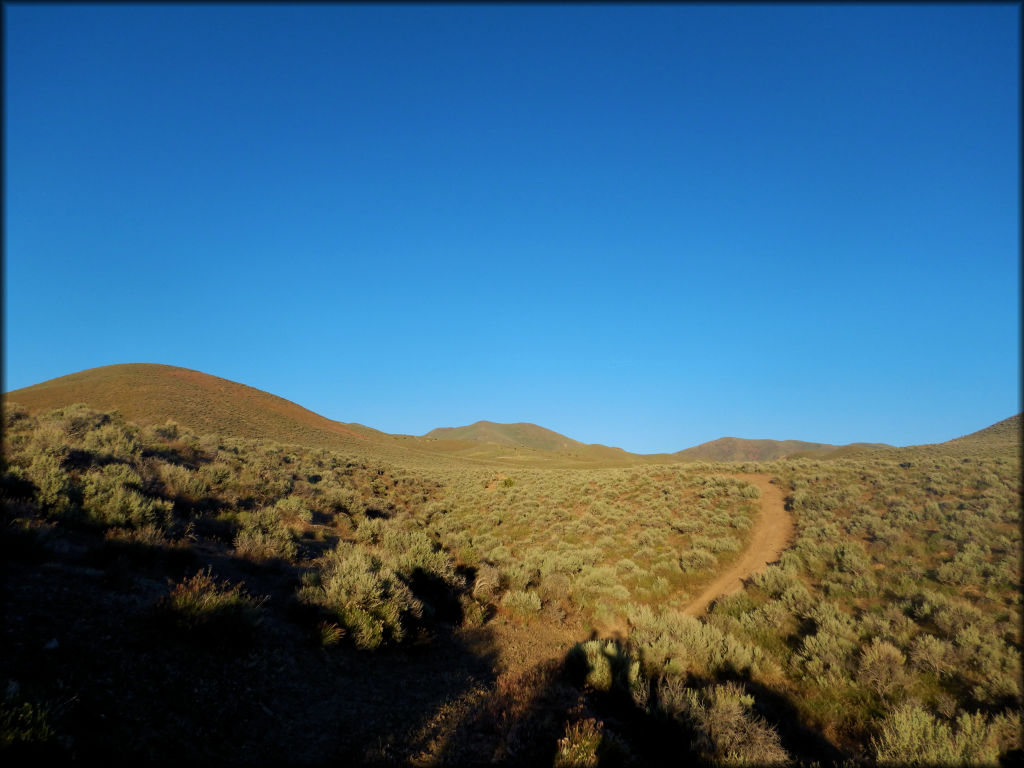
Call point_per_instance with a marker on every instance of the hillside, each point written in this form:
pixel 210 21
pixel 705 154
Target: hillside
pixel 151 394
pixel 230 601
pixel 520 434
pixel 525 440
pixel 1007 431
pixel 740 449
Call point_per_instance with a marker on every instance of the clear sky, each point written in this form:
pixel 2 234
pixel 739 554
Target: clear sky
pixel 644 226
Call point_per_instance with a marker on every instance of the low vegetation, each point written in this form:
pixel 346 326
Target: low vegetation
pixel 175 596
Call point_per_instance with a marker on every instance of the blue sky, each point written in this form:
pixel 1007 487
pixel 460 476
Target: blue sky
pixel 644 226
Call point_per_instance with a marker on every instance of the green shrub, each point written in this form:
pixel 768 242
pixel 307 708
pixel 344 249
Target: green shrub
pixel 368 599
pixel 199 605
pixel 881 667
pixel 932 654
pixel 54 484
pixel 183 482
pixel 696 560
pixel 727 730
pixel 109 498
pixel 264 536
pixel 113 442
pixel 329 633
pixel 912 736
pixel 603 665
pixel 521 604
pixel 412 551
pixel 578 748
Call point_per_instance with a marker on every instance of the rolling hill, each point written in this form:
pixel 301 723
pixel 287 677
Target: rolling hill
pixel 1005 432
pixel 525 439
pixel 520 434
pixel 148 394
pixel 740 449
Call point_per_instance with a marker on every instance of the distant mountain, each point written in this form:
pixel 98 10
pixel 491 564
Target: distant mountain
pixel 529 437
pixel 150 394
pixel 741 449
pixel 520 434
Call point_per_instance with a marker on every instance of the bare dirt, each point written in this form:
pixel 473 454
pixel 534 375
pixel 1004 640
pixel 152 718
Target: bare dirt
pixel 770 534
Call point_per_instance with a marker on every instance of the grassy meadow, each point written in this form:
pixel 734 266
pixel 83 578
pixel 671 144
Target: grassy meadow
pixel 180 594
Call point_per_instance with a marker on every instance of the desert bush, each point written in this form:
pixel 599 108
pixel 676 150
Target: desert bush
pixel 329 633
pixel 720 544
pixel 932 654
pixel 168 431
pixel 578 748
pixel 555 588
pixel 54 484
pixel 264 536
pixel 23 724
pixel 521 604
pixel 109 498
pixel 881 667
pixel 183 482
pixel 76 420
pixel 774 581
pixel 216 611
pixel 727 730
pixel 294 508
pixel 912 736
pixel 487 583
pixel 668 643
pixel 696 560
pixel 604 665
pixel 112 441
pixel 368 599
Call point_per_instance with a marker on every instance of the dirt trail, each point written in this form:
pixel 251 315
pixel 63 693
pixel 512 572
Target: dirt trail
pixel 769 535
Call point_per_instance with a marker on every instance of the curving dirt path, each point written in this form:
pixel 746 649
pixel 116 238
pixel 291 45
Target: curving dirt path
pixel 770 534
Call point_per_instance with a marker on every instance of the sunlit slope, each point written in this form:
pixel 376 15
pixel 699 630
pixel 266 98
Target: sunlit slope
pixel 147 394
pixel 523 442
pixel 740 449
pixel 520 434
pixel 1005 432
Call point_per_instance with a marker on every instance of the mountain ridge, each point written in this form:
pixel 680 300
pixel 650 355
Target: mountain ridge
pixel 153 393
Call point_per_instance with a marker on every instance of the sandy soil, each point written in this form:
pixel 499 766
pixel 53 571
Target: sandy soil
pixel 770 534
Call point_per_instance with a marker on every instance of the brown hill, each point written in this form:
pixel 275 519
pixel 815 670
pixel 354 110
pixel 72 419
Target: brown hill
pixel 149 394
pixel 1005 432
pixel 525 440
pixel 520 434
pixel 740 449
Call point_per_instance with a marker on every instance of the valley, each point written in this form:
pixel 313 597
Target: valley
pixel 199 571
